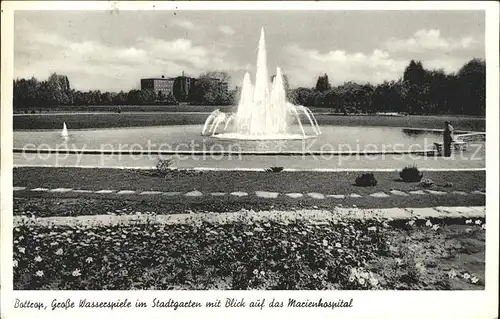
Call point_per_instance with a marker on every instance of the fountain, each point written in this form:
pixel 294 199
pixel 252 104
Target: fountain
pixel 263 112
pixel 64 132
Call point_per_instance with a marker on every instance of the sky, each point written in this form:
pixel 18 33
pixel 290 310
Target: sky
pixel 113 50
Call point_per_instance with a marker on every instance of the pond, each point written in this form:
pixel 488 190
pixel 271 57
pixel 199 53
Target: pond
pixel 188 138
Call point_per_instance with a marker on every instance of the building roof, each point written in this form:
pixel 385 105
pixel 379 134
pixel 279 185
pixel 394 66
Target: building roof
pixel 158 79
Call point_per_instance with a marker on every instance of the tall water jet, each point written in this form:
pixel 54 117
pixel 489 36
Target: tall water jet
pixel 64 132
pixel 245 105
pixel 263 111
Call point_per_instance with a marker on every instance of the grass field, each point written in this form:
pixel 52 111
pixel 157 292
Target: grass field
pixel 110 120
pixel 71 204
pixel 225 181
pixel 127 108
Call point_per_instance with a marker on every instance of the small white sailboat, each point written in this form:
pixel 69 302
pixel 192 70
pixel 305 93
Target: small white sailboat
pixel 64 132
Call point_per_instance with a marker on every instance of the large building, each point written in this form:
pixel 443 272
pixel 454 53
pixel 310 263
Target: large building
pixel 164 85
pixel 180 87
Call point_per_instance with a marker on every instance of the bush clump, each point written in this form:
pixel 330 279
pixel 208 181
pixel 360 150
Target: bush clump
pixel 275 169
pixel 366 179
pixel 411 174
pixel 163 167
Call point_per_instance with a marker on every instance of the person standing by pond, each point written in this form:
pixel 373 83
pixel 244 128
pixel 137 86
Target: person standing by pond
pixel 448 138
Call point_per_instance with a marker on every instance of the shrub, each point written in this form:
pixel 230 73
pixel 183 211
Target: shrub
pixel 275 169
pixel 427 183
pixel 413 268
pixel 411 174
pixel 448 184
pixel 163 166
pixel 366 179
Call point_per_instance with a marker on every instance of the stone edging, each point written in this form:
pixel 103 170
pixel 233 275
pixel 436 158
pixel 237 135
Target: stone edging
pixel 261 193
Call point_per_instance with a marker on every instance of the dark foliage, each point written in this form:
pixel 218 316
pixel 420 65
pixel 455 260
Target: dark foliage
pixel 419 91
pixel 367 179
pixel 411 174
pixel 275 169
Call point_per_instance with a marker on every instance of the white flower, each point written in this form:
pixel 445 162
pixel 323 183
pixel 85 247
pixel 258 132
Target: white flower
pixel 373 281
pixel 361 281
pixel 399 261
pixel 466 276
pixel 373 228
pixel 59 251
pixel 411 222
pixel 262 273
pixel 365 275
pixel 478 222
pixel 255 272
pixel 428 223
pixel 435 227
pixel 14 263
pixel 468 221
pixel 420 266
pixel 21 250
pixel 54 243
pixel 21 237
pixel 325 242
pixel 338 245
pixel 38 259
pixel 483 226
pixel 352 278
pixel 452 273
pixel 474 279
pixel 89 260
pixel 39 273
pixel 76 272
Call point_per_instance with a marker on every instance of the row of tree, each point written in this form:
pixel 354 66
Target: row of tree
pixel 208 89
pixel 211 89
pixel 56 90
pixel 419 91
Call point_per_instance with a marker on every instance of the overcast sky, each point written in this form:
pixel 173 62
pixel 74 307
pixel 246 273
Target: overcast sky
pixel 112 50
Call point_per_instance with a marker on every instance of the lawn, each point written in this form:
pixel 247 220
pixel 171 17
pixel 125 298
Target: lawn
pixel 230 181
pixel 346 255
pixel 109 120
pixel 126 108
pixel 338 183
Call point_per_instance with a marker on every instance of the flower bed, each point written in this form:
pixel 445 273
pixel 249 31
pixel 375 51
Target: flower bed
pixel 272 255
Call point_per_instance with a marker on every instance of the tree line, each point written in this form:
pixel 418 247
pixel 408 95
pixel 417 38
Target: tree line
pixel 418 91
pixel 56 90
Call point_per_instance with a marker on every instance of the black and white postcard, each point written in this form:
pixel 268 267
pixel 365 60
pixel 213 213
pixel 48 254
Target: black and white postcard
pixel 242 159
